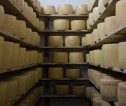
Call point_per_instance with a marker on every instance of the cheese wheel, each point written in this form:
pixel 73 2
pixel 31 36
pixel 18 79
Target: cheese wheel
pixel 97 101
pixel 7 59
pixel 1 16
pixel 16 55
pixel 95 95
pixel 110 24
pixel 101 7
pixel 10 24
pixel 109 84
pixel 120 14
pixel 101 30
pixel 89 39
pixel 95 14
pixel 61 89
pixel 60 57
pixel 121 55
pixel 89 91
pixel 78 25
pixel 72 73
pixel 38 6
pixel 87 58
pixel 28 36
pixel 81 9
pixel 88 24
pixel 105 104
pixel 72 41
pixel 78 90
pixel 41 26
pixel 110 55
pixel 95 35
pixel 55 41
pixel 49 9
pixel 55 73
pixel 1 51
pixel 65 9
pixel 3 92
pixel 98 57
pixel 122 93
pixel 25 11
pixel 83 40
pixel 76 57
pixel 91 19
pixel 21 26
pixel 20 4
pixel 91 54
pixel 61 24
pixel 40 57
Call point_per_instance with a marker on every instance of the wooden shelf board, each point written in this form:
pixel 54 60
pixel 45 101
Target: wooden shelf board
pixel 64 79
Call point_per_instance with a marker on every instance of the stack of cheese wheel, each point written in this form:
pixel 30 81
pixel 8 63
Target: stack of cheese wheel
pixel 97 101
pixel 78 90
pixel 109 84
pixel 61 24
pixel 55 73
pixel 101 6
pixel 98 57
pixel 61 89
pixel 91 57
pixel 90 4
pixel 101 30
pixel 41 26
pixel 83 40
pixel 60 57
pixel 72 41
pixel 110 55
pixel 91 19
pixel 106 104
pixel 95 35
pixel 81 9
pixel 87 58
pixel 122 93
pixel 55 41
pixel 95 14
pixel 121 55
pixel 72 73
pixel 49 9
pixel 1 51
pixel 9 20
pixel 65 9
pixel 7 58
pixel 78 25
pixel 1 16
pixel 20 4
pixel 110 24
pixel 120 14
pixel 76 57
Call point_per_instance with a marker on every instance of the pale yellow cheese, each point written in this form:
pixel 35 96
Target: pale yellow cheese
pixel 7 59
pixel 62 89
pixel 88 24
pixel 121 55
pixel 110 55
pixel 81 9
pixel 78 90
pixel 76 57
pixel 65 9
pixel 91 54
pixel 55 73
pixel 91 19
pixel 101 7
pixel 25 11
pixel 97 101
pixel 122 93
pixel 95 95
pixel 41 26
pixel 87 58
pixel 38 6
pixel 50 9
pixel 55 41
pixel 60 57
pixel 83 40
pixel 26 58
pixel 72 73
pixel 95 35
pixel 28 36
pixel 90 4
pixel 89 39
pixel 1 51
pixel 101 30
pixel 78 25
pixel 109 84
pixel 72 41
pixel 95 14
pixel 1 16
pixel 89 91
pixel 61 24
pixel 20 5
pixel 10 24
pixel 40 57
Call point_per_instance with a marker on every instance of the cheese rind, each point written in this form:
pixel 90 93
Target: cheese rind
pixel 81 9
pixel 1 16
pixel 50 9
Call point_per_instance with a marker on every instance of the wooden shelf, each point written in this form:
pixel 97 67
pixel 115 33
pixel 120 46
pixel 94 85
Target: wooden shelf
pixel 10 8
pixel 94 5
pixel 109 11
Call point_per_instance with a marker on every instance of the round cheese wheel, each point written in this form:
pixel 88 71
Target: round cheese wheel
pixel 7 59
pixel 101 7
pixel 20 4
pixel 105 104
pixel 72 73
pixel 109 84
pixel 98 57
pixel 81 9
pixel 10 24
pixel 110 55
pixel 41 26
pixel 87 58
pixel 95 14
pixel 78 90
pixel 1 51
pixel 78 25
pixel 55 41
pixel 49 9
pixel 101 30
pixel 88 24
pixel 60 57
pixel 121 55
pixel 61 24
pixel 97 101
pixel 72 41
pixel 25 11
pixel 91 54
pixel 89 39
pixel 83 40
pixel 95 35
pixel 122 93
pixel 95 95
pixel 28 36
pixel 76 57
pixel 55 73
pixel 61 89
pixel 65 9
pixel 91 19
pixel 1 16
